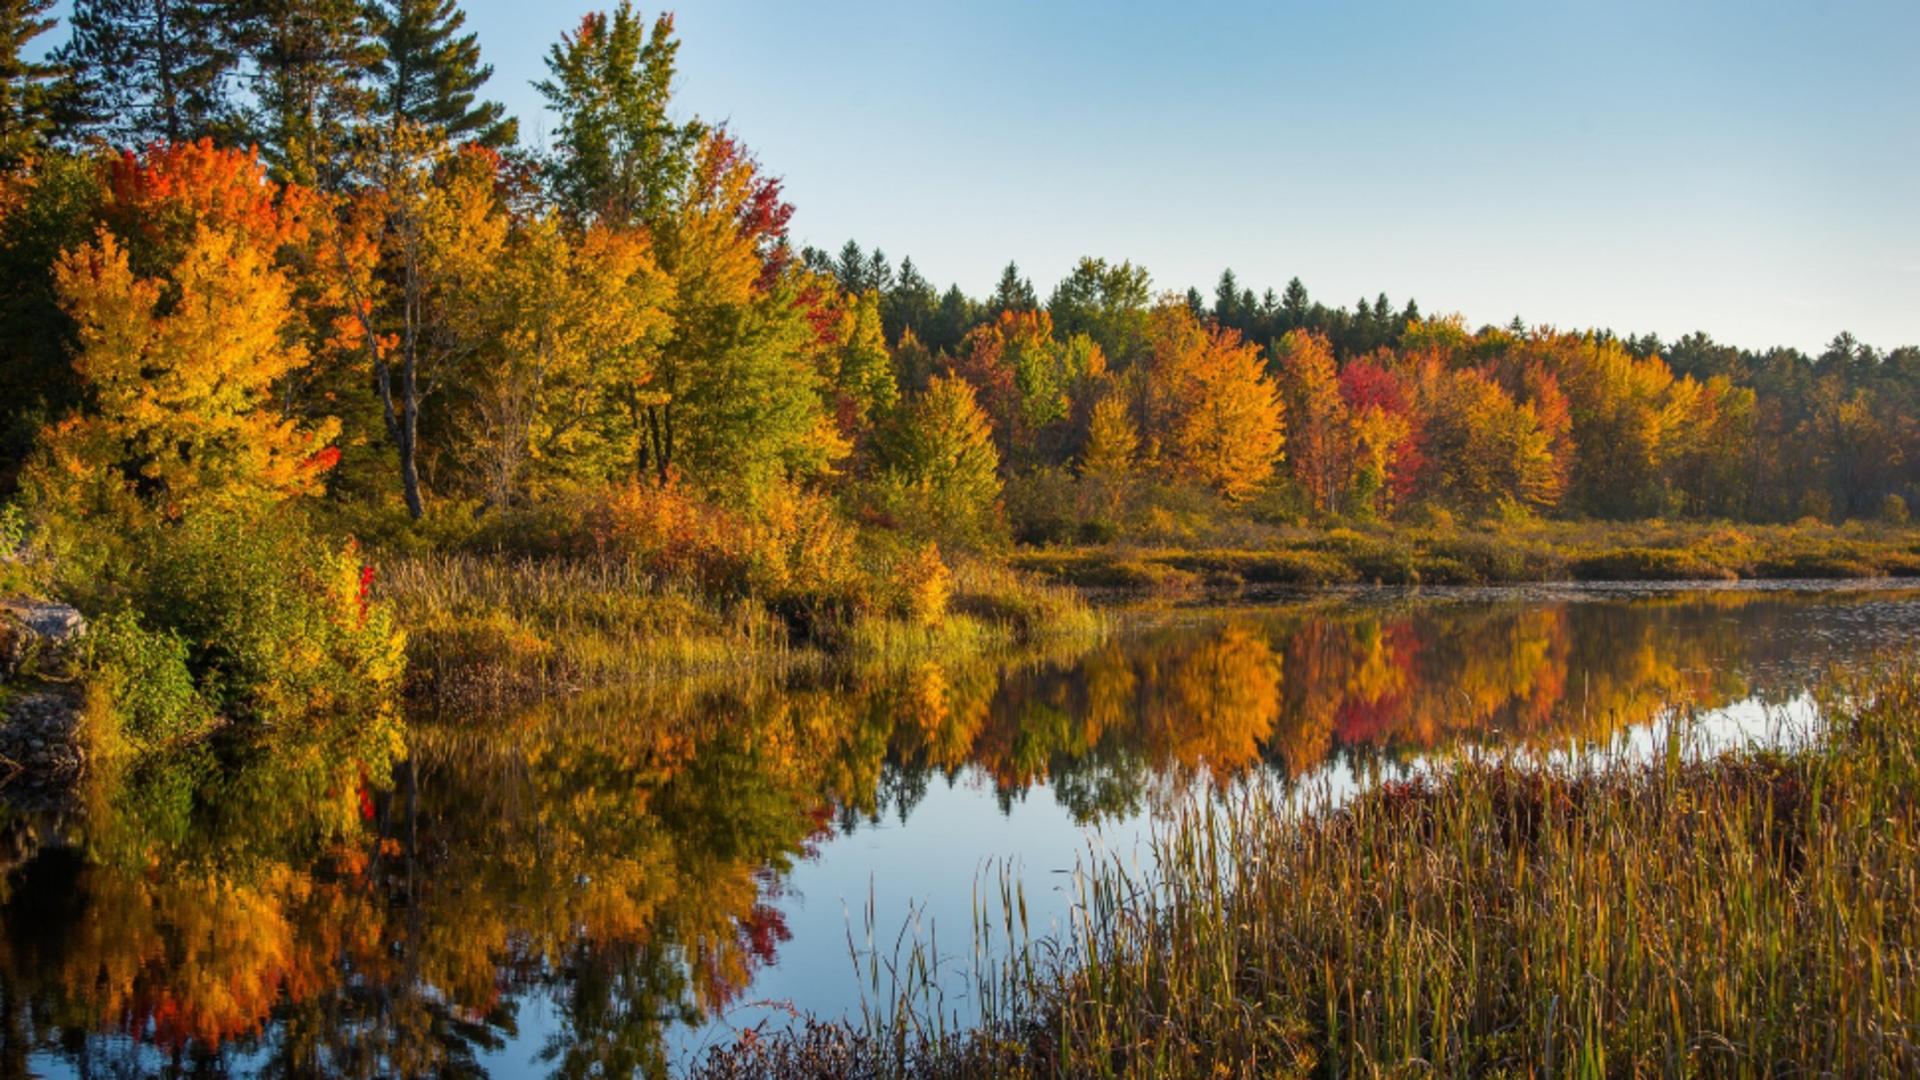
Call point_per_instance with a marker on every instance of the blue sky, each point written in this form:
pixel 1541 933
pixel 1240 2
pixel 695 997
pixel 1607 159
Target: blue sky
pixel 1750 169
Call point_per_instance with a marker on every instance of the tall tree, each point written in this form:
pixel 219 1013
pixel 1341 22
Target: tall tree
pixel 430 75
pixel 1319 428
pixel 1216 414
pixel 26 86
pixel 1012 293
pixel 151 70
pixel 311 60
pixel 619 158
pixel 942 473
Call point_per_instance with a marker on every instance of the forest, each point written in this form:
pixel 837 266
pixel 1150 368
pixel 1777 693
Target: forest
pixel 310 365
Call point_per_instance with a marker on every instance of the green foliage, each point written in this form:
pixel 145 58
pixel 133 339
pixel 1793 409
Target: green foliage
pixel 431 74
pixel 621 160
pixel 279 626
pixel 146 677
pixel 940 474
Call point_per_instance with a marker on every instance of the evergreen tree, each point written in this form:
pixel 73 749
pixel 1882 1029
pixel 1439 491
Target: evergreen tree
pixel 26 87
pixel 851 268
pixel 1013 293
pixel 909 305
pixel 150 70
pixel 311 59
pixel 1295 306
pixel 951 322
pixel 618 157
pixel 431 74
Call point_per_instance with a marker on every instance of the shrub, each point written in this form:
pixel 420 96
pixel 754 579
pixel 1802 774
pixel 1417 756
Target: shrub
pixel 925 585
pixel 1893 510
pixel 145 675
pixel 276 624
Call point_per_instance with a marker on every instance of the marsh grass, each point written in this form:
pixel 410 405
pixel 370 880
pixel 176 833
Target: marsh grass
pixel 1489 554
pixel 1751 913
pixel 482 626
pixel 489 628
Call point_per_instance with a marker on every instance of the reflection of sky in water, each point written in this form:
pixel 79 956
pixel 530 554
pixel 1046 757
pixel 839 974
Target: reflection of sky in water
pixel 924 876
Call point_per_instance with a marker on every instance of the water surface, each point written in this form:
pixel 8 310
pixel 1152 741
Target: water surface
pixel 613 882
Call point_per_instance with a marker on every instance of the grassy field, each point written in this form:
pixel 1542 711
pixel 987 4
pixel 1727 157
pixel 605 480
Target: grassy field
pixel 1747 914
pixel 1492 554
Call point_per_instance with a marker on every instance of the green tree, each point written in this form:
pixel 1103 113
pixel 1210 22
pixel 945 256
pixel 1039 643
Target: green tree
pixel 430 75
pixel 26 86
pixel 1107 302
pixel 618 158
pixel 311 60
pixel 864 378
pixel 942 474
pixel 910 304
pixel 1012 293
pixel 150 70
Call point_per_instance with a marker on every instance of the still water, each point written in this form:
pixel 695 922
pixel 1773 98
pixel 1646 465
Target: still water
pixel 614 882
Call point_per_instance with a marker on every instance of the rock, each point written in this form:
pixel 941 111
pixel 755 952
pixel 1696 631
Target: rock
pixel 41 633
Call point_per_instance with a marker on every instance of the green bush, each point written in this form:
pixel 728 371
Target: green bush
pixel 276 624
pixel 146 676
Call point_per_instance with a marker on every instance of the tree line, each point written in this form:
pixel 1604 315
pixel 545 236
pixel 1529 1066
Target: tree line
pixel 259 250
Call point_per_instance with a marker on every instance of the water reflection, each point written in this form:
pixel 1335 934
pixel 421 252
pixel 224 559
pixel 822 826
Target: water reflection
pixel 560 890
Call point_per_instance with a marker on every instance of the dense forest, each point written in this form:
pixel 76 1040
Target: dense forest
pixel 282 285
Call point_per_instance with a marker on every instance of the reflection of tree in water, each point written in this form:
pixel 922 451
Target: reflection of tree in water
pixel 624 855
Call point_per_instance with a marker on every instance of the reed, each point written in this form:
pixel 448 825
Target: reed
pixel 1746 913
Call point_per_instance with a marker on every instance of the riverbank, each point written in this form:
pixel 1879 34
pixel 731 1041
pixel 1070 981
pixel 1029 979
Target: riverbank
pixel 1539 551
pixel 1728 915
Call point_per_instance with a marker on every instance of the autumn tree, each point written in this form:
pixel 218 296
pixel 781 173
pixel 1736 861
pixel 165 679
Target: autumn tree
pixel 1386 441
pixel 1319 426
pixel 1212 408
pixel 572 328
pixel 941 473
pixel 738 399
pixel 864 384
pixel 430 74
pixel 618 158
pixel 180 367
pixel 1113 441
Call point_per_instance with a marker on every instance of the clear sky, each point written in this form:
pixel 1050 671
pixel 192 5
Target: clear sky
pixel 1751 169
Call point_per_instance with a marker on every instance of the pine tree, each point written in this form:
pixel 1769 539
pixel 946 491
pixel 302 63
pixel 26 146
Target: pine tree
pixel 145 71
pixel 618 157
pixel 431 74
pixel 26 87
pixel 1294 306
pixel 1013 293
pixel 909 305
pixel 312 58
pixel 851 268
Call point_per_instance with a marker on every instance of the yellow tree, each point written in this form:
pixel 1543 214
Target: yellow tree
pixel 572 326
pixel 1211 406
pixel 1319 429
pixel 180 370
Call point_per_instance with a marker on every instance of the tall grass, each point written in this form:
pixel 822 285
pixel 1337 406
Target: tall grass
pixel 1489 553
pixel 1755 913
pixel 490 627
pixel 482 626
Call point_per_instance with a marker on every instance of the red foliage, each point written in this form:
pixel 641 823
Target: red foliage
pixel 164 192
